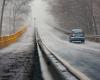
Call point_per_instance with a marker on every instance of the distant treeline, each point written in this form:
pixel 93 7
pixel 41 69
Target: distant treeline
pixel 71 14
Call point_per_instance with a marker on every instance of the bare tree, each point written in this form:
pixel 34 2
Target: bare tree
pixel 17 8
pixel 2 16
pixel 95 26
pixel 93 19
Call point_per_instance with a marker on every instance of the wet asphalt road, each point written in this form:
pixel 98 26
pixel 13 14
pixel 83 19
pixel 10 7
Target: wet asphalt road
pixel 84 57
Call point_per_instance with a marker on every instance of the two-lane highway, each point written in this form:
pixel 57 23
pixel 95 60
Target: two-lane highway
pixel 84 57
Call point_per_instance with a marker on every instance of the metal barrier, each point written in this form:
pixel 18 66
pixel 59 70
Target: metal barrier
pixel 9 39
pixel 95 38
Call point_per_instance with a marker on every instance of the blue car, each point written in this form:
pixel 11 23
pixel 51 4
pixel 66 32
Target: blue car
pixel 77 35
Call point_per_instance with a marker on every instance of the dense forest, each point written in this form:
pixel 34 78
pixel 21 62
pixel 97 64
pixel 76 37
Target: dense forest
pixel 68 14
pixel 13 14
pixel 71 14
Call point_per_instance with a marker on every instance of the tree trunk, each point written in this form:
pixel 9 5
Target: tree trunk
pixel 1 21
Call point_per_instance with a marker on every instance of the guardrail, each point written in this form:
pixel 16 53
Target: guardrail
pixel 95 38
pixel 62 70
pixel 9 39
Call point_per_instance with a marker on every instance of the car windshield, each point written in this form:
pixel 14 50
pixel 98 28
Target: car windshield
pixel 77 31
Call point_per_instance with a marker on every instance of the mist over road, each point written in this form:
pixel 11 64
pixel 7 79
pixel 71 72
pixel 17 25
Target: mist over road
pixel 43 15
pixel 84 57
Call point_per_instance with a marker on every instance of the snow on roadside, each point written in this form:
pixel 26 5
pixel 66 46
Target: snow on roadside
pixel 16 60
pixel 24 43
